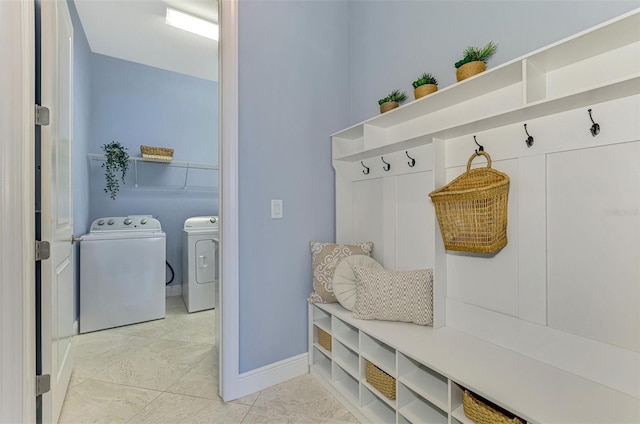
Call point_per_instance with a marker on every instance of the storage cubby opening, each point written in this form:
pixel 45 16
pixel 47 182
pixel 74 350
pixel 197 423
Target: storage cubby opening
pixel 345 383
pixel 345 333
pixel 416 409
pixel 346 358
pixel 424 381
pixel 375 408
pixel 322 347
pixel 322 319
pixel 382 355
pixel 321 363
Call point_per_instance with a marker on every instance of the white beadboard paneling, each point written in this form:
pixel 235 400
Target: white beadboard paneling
pixel 489 281
pixel 367 215
pixel 603 363
pixel 593 244
pixel 532 257
pixel 414 233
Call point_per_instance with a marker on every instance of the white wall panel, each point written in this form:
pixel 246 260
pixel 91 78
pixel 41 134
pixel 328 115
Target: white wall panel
pixel 414 234
pixel 593 243
pixel 367 215
pixel 489 281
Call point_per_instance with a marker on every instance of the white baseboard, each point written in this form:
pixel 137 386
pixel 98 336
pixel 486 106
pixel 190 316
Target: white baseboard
pixel 272 374
pixel 174 290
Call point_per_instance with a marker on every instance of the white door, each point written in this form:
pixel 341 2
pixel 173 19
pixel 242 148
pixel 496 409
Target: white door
pixel 57 218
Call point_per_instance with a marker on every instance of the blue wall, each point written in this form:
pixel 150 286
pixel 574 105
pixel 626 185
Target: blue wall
pixel 140 105
pixel 394 42
pixel 294 92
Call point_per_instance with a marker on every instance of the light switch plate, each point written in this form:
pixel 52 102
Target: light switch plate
pixel 276 209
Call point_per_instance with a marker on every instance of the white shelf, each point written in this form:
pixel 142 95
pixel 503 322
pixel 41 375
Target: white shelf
pixel 346 358
pixel 323 323
pixel 459 415
pixel 345 383
pixel 419 412
pixel 375 408
pixel 345 333
pixel 322 350
pixel 380 354
pixel 174 163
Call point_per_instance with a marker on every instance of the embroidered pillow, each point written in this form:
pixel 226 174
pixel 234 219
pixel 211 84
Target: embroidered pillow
pixel 344 279
pixel 394 295
pixel 325 259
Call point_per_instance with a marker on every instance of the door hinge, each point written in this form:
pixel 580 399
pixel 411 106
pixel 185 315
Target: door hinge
pixel 42 115
pixel 43 384
pixel 42 250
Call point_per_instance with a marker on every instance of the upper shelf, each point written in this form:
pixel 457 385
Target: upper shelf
pixel 177 163
pixel 596 65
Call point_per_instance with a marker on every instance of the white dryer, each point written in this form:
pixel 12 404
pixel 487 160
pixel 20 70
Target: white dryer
pixel 200 263
pixel 122 272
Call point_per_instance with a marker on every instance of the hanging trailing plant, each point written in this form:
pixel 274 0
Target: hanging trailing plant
pixel 117 161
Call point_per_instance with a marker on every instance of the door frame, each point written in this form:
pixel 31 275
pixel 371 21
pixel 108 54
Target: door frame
pixel 229 347
pixel 17 226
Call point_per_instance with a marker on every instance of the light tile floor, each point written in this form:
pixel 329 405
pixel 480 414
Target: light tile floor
pixel 166 371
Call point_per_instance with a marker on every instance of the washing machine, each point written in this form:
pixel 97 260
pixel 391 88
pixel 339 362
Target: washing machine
pixel 122 272
pixel 200 263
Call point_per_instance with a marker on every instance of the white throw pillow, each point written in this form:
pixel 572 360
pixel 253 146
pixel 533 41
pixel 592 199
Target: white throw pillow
pixel 394 295
pixel 345 282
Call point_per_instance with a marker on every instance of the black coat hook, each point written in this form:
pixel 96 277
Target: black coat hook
pixel 481 148
pixel 387 165
pixel 412 162
pixel 365 171
pixel 529 139
pixel 595 128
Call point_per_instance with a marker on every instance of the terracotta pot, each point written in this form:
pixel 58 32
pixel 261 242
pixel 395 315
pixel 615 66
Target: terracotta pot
pixel 425 89
pixel 387 106
pixel 470 69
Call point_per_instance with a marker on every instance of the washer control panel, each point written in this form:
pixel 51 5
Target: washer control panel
pixel 126 223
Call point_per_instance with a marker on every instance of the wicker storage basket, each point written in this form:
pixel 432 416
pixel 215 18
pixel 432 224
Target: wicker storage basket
pixel 470 69
pixel 381 381
pixel 483 413
pixel 156 154
pixel 472 209
pixel 324 339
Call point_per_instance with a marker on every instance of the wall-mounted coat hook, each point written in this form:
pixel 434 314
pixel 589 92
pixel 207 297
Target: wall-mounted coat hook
pixel 529 140
pixel 387 165
pixel 412 162
pixel 365 171
pixel 481 148
pixel 595 128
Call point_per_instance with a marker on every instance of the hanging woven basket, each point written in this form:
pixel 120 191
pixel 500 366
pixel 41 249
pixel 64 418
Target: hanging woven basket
pixel 472 209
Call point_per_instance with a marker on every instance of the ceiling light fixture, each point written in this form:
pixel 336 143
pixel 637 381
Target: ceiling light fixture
pixel 192 23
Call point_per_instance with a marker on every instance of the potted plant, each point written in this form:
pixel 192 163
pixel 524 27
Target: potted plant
pixel 116 161
pixel 474 60
pixel 424 85
pixel 392 101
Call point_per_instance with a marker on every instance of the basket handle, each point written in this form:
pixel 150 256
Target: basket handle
pixel 475 155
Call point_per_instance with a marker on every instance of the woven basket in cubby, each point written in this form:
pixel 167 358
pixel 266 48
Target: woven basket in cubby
pixel 324 339
pixel 482 413
pixel 381 381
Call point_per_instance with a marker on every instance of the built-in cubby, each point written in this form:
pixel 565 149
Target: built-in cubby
pixel 548 314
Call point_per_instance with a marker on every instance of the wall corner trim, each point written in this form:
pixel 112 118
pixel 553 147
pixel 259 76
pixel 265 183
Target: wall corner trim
pixel 272 374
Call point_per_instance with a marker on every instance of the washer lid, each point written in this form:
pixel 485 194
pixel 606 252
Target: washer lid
pixel 199 223
pixel 140 223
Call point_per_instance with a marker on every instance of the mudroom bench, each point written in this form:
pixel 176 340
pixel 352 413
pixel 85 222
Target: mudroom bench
pixel 432 367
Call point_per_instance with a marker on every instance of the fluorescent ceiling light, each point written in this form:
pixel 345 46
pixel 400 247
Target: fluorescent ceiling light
pixel 192 23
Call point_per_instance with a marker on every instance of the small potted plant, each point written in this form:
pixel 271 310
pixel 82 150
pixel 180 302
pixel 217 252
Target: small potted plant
pixel 474 60
pixel 392 101
pixel 424 85
pixel 116 161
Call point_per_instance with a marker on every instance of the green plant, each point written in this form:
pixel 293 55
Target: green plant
pixel 394 96
pixel 117 161
pixel 425 79
pixel 473 54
